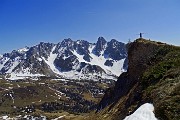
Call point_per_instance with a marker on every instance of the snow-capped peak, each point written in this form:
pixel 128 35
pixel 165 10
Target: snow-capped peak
pixel 22 50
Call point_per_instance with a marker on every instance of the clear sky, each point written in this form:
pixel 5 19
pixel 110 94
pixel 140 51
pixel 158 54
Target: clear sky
pixel 28 22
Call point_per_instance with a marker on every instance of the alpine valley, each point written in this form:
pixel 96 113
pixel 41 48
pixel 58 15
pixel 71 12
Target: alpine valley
pixel 67 79
pixel 78 80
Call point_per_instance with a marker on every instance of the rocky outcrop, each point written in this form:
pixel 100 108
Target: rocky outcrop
pixel 100 46
pixel 113 48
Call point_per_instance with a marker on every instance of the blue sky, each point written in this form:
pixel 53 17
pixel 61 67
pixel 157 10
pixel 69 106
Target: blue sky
pixel 28 22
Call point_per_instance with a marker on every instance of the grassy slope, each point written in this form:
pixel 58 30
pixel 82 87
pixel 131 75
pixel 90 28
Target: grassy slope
pixel 161 83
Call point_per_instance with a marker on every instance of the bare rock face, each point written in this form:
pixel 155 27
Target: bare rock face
pixel 115 50
pixel 100 46
pixel 139 56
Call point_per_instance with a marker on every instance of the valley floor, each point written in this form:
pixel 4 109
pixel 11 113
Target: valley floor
pixel 50 98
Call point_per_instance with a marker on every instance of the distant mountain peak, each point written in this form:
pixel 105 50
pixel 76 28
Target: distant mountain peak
pixel 101 38
pixel 67 40
pixel 22 50
pixel 101 41
pixel 113 40
pixel 100 46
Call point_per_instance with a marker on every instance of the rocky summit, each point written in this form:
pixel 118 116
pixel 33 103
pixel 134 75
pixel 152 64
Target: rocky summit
pixel 67 59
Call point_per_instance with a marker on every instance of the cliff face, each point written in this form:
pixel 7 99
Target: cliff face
pixel 153 76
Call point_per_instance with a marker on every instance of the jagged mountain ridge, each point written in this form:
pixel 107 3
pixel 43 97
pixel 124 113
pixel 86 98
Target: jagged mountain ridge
pixel 67 59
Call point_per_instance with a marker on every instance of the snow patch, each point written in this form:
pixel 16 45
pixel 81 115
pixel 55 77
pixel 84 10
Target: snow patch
pixel 80 57
pixel 11 95
pixel 5 117
pixel 20 76
pixel 22 50
pixel 14 63
pixel 59 117
pixel 117 67
pixel 40 59
pixel 144 112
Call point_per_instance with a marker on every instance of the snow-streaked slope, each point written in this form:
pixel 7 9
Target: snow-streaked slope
pixel 14 63
pixel 116 69
pixel 73 74
pixel 144 112
pixel 50 61
pixel 3 61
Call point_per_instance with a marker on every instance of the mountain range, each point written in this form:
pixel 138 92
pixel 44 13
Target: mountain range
pixel 147 90
pixel 67 59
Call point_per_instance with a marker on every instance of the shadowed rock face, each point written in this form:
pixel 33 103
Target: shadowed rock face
pixel 65 65
pixel 115 50
pixel 100 46
pixel 145 81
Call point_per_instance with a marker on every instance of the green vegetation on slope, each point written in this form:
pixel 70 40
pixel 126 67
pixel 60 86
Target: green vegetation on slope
pixel 51 98
pixel 161 84
pixel 153 76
